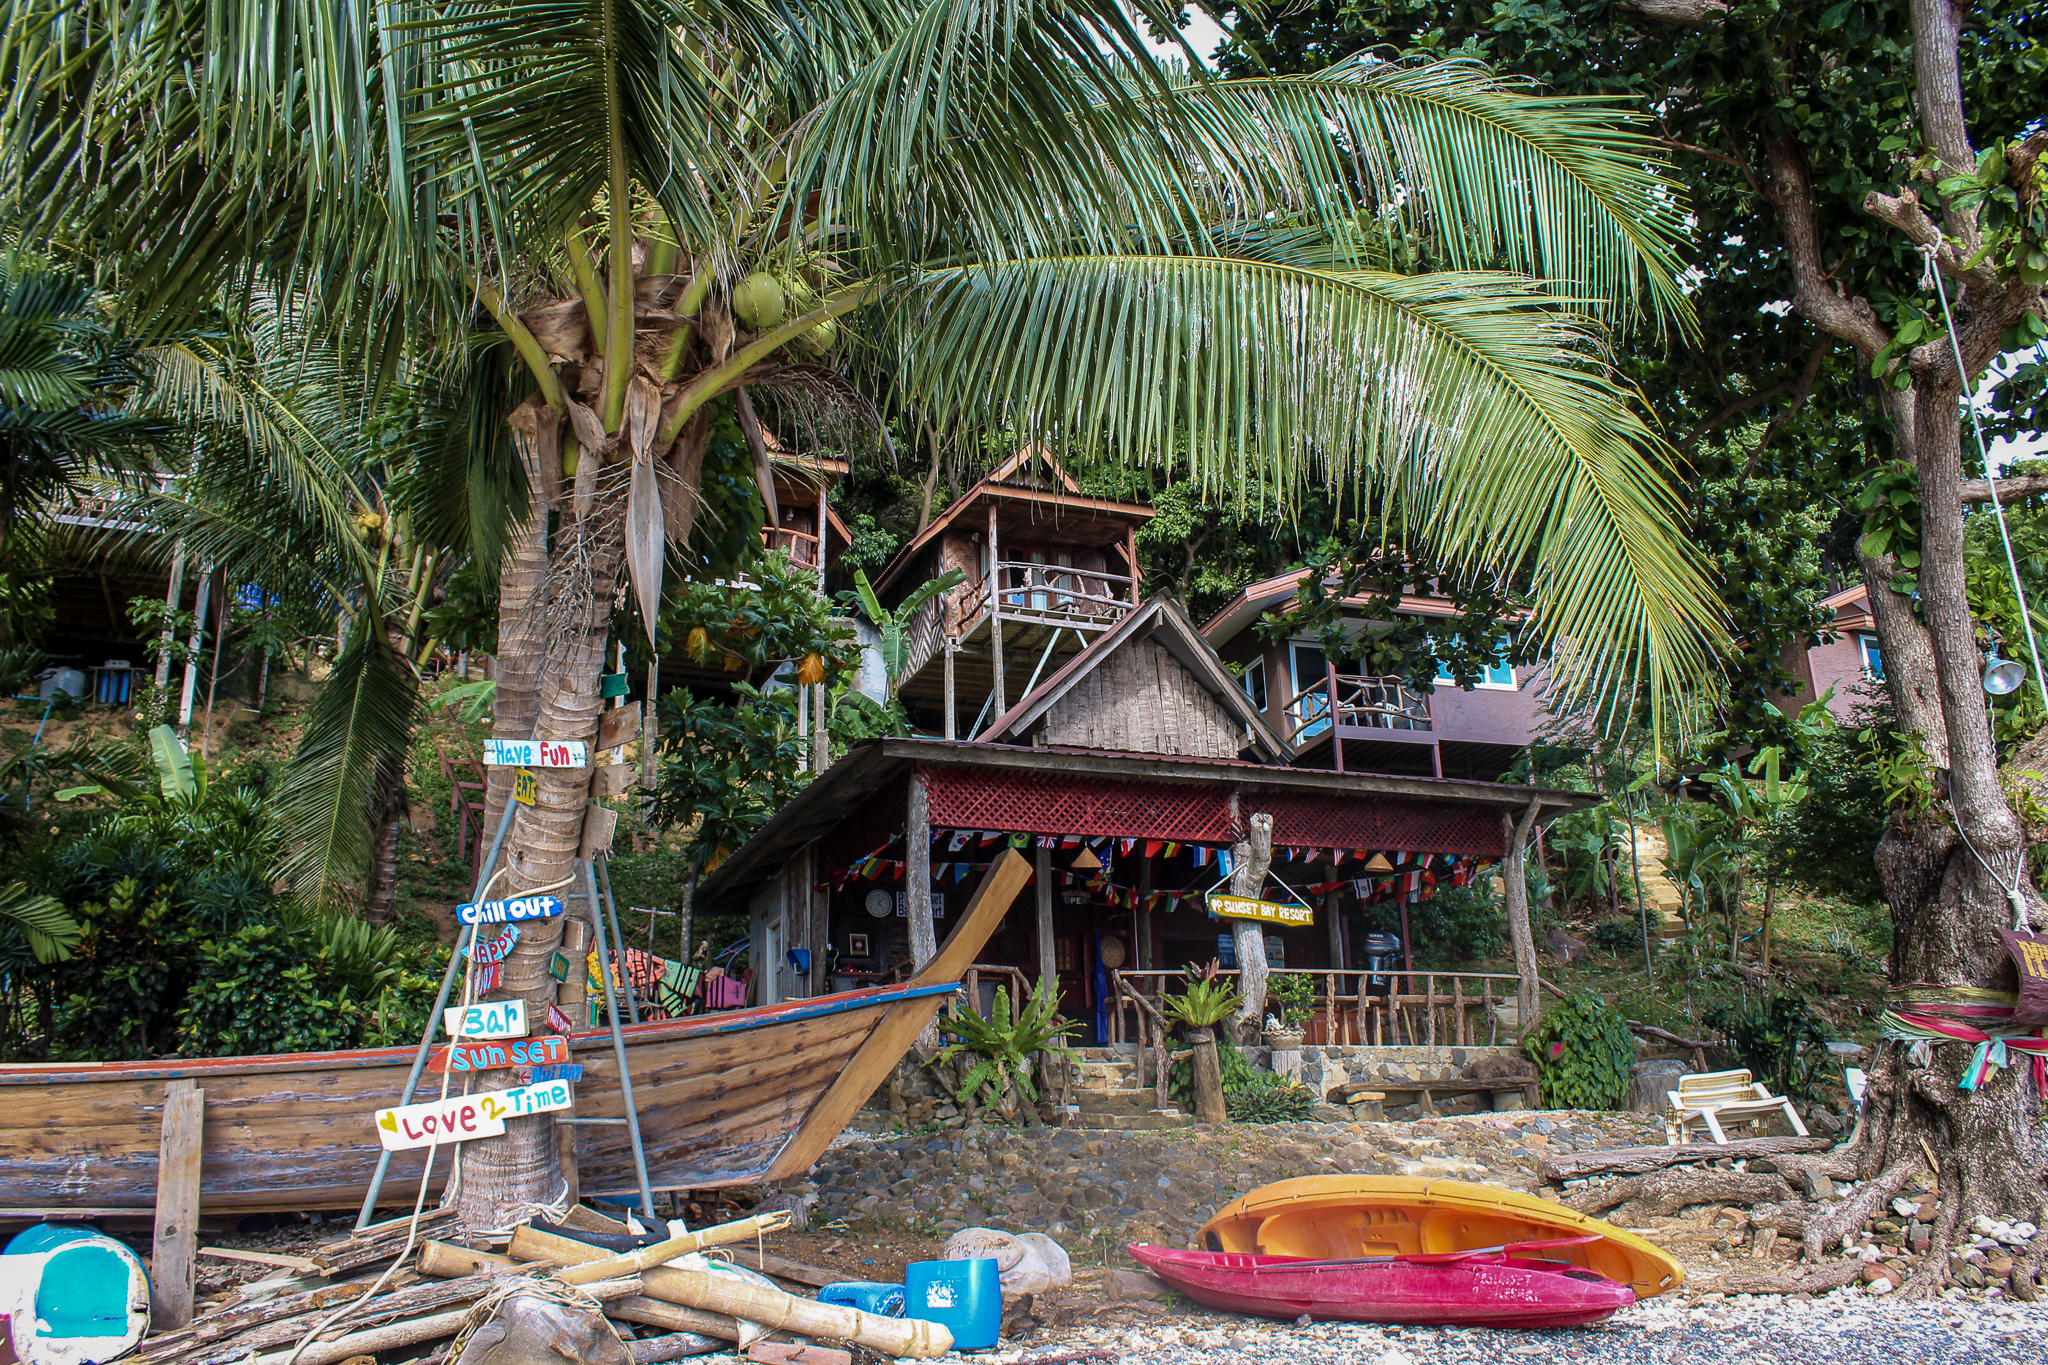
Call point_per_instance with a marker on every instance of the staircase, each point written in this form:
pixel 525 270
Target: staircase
pixel 1107 1094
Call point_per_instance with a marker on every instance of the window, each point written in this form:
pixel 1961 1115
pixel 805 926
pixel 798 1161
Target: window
pixel 1253 681
pixel 1873 658
pixel 1497 675
pixel 1311 713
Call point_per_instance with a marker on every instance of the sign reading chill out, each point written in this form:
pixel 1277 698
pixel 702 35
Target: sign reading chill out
pixel 508 912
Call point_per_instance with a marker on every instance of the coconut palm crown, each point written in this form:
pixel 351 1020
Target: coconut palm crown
pixel 1395 279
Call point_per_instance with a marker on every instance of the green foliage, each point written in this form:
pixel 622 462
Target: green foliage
pixel 1267 1098
pixel 1206 1000
pixel 472 700
pixel 1460 924
pixel 1617 936
pixel 1827 842
pixel 755 631
pixel 1293 998
pixel 1004 1052
pixel 1779 1039
pixel 1583 1051
pixel 891 622
pixel 257 991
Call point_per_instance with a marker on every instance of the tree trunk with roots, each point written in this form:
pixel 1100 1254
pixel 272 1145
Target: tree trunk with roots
pixel 380 906
pixel 1249 861
pixel 1954 872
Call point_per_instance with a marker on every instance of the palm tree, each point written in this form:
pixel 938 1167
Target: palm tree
pixel 1392 278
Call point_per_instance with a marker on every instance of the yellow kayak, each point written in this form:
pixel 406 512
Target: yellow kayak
pixel 1330 1217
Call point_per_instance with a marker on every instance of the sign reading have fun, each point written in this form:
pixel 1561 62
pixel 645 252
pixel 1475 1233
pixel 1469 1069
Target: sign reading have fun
pixel 536 753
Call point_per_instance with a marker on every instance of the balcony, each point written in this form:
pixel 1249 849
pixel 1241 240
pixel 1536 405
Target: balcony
pixel 1040 615
pixel 1378 719
pixel 801 545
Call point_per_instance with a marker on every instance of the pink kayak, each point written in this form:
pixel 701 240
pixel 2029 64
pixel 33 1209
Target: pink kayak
pixel 1508 1286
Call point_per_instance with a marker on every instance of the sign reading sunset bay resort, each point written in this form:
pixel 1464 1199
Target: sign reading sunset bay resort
pixel 1270 912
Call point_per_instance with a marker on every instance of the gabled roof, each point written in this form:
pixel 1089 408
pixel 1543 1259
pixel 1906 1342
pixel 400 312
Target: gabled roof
pixel 1849 603
pixel 1162 620
pixel 1003 483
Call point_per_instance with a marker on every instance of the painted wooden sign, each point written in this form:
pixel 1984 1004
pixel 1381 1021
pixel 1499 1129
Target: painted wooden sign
pixel 491 1019
pixel 1268 912
pixel 457 1118
pixel 536 753
pixel 557 1071
pixel 538 1098
pixel 618 726
pixel 493 949
pixel 558 1018
pixel 2030 956
pixel 546 1049
pixel 506 912
pixel 487 978
pixel 613 779
pixel 525 786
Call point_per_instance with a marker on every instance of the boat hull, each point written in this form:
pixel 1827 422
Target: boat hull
pixel 1480 1290
pixel 1330 1217
pixel 721 1097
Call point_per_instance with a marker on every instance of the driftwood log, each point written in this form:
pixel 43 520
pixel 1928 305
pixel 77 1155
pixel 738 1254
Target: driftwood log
pixel 406 1303
pixel 1796 1280
pixel 412 1331
pixel 443 1258
pixel 1639 1160
pixel 226 1322
pixel 377 1242
pixel 654 1350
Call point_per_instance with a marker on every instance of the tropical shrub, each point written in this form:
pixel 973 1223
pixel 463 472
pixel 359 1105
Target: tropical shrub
pixel 1617 936
pixel 1459 924
pixel 1263 1097
pixel 1206 1001
pixel 1779 1039
pixel 1005 1052
pixel 1292 998
pixel 1583 1051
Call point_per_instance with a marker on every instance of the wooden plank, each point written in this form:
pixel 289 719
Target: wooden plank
pixel 618 726
pixel 177 1205
pixel 599 825
pixel 782 1268
pixel 613 779
pixel 298 1263
pixel 892 1036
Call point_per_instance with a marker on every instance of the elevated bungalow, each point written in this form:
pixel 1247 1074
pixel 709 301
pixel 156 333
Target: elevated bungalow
pixel 1128 773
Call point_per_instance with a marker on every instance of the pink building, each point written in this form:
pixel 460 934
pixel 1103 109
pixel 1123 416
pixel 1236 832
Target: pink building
pixel 1850 662
pixel 1382 725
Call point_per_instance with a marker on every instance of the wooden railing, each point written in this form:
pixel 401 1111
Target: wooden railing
pixel 1020 988
pixel 1054 592
pixel 1151 1040
pixel 1373 1009
pixel 1362 702
pixel 802 545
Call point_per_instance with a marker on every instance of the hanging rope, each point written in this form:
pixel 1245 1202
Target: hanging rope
pixel 1930 272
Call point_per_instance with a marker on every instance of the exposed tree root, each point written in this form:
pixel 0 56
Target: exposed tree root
pixel 1827 1231
pixel 1932 1273
pixel 1814 1280
pixel 2026 1268
pixel 1666 1192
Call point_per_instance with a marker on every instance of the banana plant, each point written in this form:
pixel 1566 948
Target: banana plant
pixel 895 648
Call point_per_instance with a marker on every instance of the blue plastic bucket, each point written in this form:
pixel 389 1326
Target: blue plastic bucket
pixel 964 1297
pixel 90 1296
pixel 869 1296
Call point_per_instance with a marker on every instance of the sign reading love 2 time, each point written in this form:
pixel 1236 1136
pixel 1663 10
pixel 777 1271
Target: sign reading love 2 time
pixel 492 1019
pixel 460 1118
pixel 536 753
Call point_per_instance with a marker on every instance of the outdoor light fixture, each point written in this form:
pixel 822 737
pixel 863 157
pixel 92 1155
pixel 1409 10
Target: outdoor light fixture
pixel 2002 676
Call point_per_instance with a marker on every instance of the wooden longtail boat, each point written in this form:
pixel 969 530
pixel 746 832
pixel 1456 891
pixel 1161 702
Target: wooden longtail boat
pixel 733 1098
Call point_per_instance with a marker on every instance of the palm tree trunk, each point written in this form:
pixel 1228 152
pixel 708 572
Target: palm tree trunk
pixel 521 587
pixel 560 626
pixel 381 905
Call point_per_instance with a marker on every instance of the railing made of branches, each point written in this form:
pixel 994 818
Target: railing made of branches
pixel 1361 1008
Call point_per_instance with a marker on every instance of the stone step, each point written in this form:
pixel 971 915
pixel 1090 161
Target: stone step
pixel 1114 1102
pixel 1131 1123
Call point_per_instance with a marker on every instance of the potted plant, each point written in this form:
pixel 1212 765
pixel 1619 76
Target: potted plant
pixel 1292 999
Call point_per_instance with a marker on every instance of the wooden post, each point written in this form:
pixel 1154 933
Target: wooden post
pixel 1336 739
pixel 821 737
pixel 1145 931
pixel 995 609
pixel 917 887
pixel 1429 1007
pixel 1516 897
pixel 1131 554
pixel 177 1205
pixel 1048 962
pixel 1208 1077
pixel 1464 1030
pixel 952 720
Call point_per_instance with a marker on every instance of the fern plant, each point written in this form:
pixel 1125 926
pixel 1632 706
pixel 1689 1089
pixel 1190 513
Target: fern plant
pixel 1004 1050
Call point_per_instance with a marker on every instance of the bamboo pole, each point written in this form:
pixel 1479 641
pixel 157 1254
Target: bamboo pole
pixel 633 1262
pixel 653 1312
pixel 778 1311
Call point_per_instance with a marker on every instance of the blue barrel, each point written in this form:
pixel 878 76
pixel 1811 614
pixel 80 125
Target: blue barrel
pixel 869 1296
pixel 965 1297
pixel 92 1295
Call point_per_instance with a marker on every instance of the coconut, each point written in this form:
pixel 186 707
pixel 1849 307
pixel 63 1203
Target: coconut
pixel 758 301
pixel 822 337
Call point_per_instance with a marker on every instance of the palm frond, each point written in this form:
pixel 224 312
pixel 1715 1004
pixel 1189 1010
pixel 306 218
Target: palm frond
pixel 1475 411
pixel 358 729
pixel 42 920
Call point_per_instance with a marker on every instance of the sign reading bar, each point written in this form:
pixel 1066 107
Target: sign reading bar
pixel 1269 912
pixel 492 1019
pixel 454 1119
pixel 536 753
pixel 2030 956
pixel 507 912
pixel 547 1049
